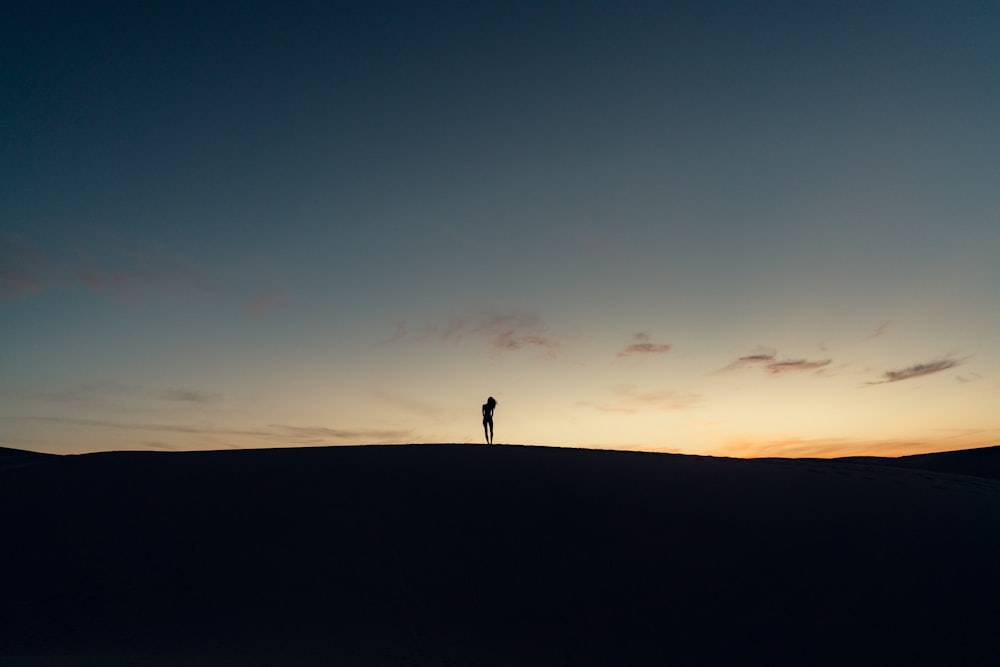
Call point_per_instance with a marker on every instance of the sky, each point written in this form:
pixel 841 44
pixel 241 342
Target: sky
pixel 725 228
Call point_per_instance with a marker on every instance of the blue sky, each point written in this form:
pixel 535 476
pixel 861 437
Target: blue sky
pixel 699 227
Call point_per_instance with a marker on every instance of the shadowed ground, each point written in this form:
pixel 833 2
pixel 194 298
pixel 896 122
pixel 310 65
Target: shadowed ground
pixel 470 555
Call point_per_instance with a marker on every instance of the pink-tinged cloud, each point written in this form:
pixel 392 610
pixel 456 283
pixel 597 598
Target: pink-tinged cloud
pixel 643 346
pixel 14 283
pixel 794 366
pixel 124 273
pixel 21 267
pixel 916 371
pixel 264 303
pixel 13 248
pixel 136 284
pixel 515 330
pixel 123 287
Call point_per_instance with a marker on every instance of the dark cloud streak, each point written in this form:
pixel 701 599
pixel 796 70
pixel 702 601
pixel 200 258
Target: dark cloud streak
pixel 916 371
pixel 768 362
pixel 750 360
pixel 794 365
pixel 642 345
pixel 755 358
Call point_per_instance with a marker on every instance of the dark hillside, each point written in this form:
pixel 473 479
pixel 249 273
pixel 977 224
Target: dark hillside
pixel 473 555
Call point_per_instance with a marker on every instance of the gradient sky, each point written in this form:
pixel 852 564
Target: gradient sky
pixel 718 228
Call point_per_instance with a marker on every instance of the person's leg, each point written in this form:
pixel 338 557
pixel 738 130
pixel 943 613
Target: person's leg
pixel 491 431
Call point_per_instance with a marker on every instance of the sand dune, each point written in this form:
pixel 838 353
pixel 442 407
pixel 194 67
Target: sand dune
pixel 506 555
pixel 977 462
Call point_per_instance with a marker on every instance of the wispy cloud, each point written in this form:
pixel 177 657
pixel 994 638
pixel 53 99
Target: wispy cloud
pixel 147 426
pixel 642 345
pixel 122 284
pixel 13 248
pixel 414 407
pixel 320 435
pixel 504 331
pixel 453 329
pixel 600 244
pixel 189 396
pixel 129 275
pixel 917 370
pixel 124 272
pixel 971 377
pixel 512 339
pixel 770 364
pixel 794 365
pixel 108 393
pixel 274 434
pixel 878 331
pixel 21 267
pixel 264 303
pixel 14 283
pixel 628 400
pixel 399 335
pixel 514 330
pixel 87 393
pixel 750 360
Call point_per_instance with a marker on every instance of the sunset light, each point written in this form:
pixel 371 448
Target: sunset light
pixel 668 230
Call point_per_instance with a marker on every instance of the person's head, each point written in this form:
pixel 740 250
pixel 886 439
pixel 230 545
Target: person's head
pixel 492 402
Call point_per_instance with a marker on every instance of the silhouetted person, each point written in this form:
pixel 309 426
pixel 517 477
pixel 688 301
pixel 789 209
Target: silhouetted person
pixel 488 419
